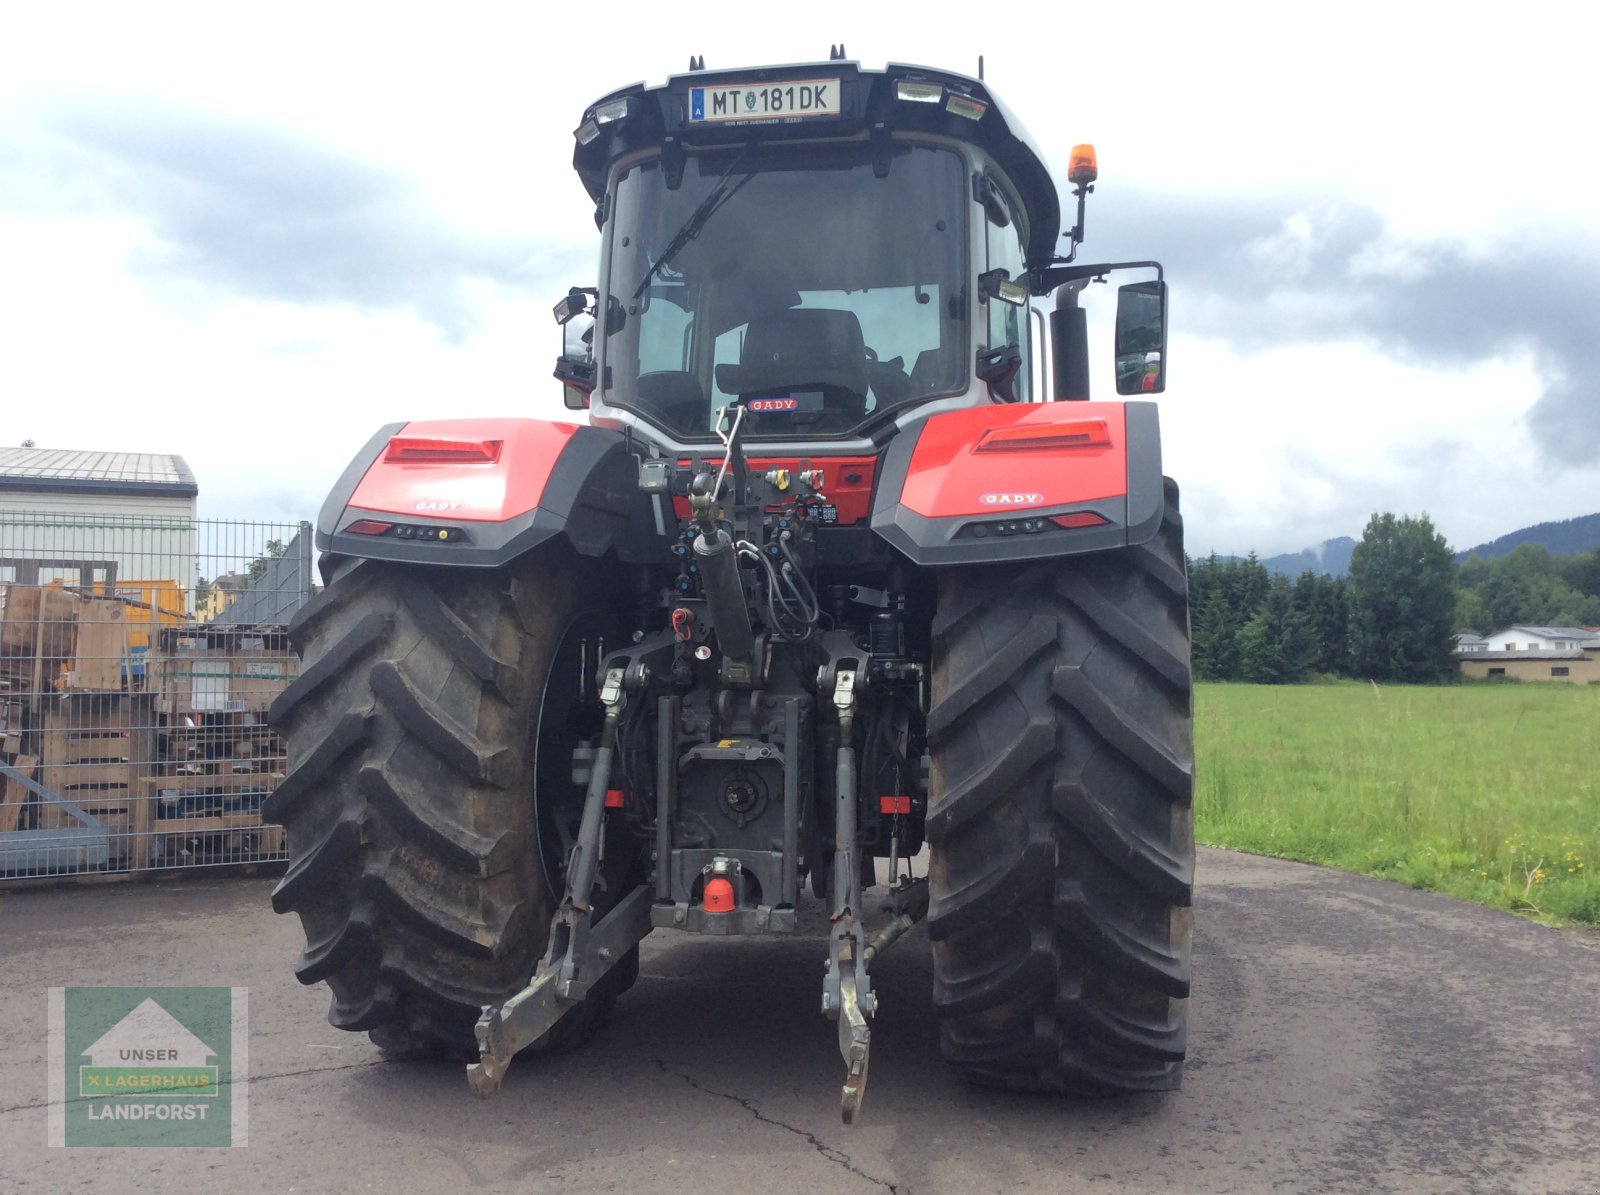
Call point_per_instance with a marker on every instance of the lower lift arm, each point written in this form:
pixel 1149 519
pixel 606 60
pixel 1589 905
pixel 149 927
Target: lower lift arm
pixel 580 952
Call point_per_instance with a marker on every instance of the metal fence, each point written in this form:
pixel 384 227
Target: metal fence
pixel 139 656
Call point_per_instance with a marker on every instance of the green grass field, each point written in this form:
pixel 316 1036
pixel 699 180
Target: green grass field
pixel 1487 792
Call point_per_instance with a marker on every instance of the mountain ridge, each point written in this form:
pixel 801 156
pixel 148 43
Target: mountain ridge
pixel 1561 537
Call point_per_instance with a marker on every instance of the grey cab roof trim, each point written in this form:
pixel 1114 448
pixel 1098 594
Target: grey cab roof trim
pixel 868 100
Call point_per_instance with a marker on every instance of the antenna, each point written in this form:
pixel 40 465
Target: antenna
pixel 836 53
pixel 980 68
pixel 697 62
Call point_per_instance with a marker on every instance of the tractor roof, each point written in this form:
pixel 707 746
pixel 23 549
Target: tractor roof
pixel 898 98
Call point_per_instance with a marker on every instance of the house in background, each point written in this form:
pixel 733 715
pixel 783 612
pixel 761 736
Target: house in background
pixel 219 595
pixel 1527 639
pixel 1570 654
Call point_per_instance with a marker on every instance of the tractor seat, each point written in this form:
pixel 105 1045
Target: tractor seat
pixel 802 353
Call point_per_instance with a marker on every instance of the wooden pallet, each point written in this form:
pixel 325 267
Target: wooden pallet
pixel 113 812
pixel 147 824
pixel 213 670
pixel 98 728
pixel 219 744
pixel 150 851
pixel 87 764
pixel 14 797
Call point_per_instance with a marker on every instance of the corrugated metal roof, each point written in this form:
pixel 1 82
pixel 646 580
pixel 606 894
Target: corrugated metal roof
pixel 1550 653
pixel 1555 632
pixel 77 469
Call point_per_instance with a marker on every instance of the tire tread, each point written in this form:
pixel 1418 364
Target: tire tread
pixel 406 801
pixel 1062 799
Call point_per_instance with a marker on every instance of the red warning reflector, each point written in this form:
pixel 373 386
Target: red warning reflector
pixel 894 804
pixel 613 798
pixel 414 450
pixel 1079 518
pixel 368 527
pixel 719 895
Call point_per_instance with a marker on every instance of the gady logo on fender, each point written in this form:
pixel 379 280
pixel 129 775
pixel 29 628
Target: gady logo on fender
pixel 437 507
pixel 1011 499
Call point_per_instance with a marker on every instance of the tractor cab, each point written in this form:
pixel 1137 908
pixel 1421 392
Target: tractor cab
pixel 829 246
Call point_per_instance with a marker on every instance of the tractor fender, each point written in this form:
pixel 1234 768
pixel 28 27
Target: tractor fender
pixel 1023 482
pixel 481 492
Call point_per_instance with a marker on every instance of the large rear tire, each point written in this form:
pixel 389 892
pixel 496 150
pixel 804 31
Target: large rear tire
pixel 1061 819
pixel 424 719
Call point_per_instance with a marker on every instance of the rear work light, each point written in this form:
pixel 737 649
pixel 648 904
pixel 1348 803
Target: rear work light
pixel 965 105
pixel 607 113
pixel 918 92
pixel 412 450
pixel 612 111
pixel 1039 437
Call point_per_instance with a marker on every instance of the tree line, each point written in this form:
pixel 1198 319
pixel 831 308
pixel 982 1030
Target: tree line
pixel 1393 617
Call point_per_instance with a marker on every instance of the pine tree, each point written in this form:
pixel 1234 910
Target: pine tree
pixel 1275 646
pixel 1214 633
pixel 1323 605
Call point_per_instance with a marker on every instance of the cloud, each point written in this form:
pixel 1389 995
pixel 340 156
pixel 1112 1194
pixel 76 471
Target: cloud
pixel 1258 274
pixel 244 210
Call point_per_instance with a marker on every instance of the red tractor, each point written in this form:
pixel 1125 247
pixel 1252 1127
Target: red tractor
pixel 842 563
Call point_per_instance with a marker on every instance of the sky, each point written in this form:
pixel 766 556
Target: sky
pixel 251 235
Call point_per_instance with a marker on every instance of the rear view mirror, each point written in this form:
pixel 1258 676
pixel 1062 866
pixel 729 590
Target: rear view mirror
pixel 1141 339
pixel 577 337
pixel 575 367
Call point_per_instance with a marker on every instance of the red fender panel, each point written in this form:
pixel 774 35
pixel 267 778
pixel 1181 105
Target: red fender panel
pixel 468 470
pixel 1022 482
pixel 480 492
pixel 992 459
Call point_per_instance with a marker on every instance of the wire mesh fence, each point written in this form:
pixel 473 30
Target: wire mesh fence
pixel 139 656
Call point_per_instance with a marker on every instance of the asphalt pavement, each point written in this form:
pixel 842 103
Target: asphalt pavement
pixel 1347 1034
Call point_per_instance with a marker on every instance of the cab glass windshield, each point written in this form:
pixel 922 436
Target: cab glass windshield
pixel 822 288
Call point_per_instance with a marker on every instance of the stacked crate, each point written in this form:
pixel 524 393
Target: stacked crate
pixel 70 733
pixel 162 766
pixel 218 758
pixel 94 748
pixel 55 640
pixel 15 797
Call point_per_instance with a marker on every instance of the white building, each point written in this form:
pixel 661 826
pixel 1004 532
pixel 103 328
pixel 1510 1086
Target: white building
pixel 94 519
pixel 1524 639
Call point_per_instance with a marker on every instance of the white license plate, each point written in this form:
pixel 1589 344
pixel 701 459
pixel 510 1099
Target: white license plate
pixel 790 100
